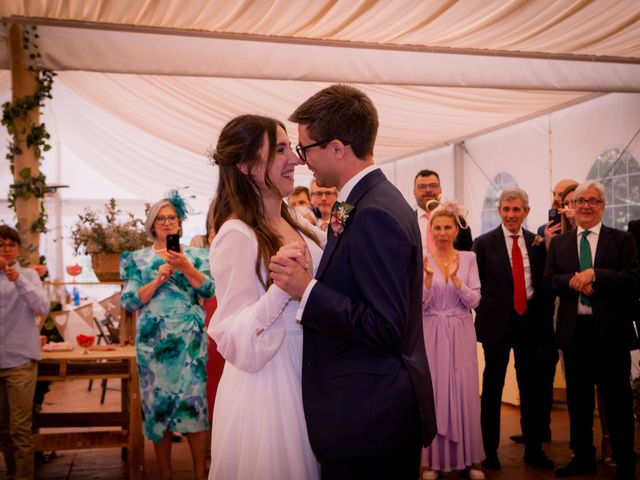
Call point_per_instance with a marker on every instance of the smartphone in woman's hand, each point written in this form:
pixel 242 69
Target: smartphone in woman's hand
pixel 173 242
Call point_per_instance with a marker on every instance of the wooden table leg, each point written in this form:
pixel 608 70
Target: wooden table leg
pixel 136 440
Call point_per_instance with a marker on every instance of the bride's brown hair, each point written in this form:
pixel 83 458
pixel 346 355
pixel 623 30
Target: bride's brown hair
pixel 237 194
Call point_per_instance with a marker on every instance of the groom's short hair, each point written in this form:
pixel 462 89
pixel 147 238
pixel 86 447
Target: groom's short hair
pixel 340 112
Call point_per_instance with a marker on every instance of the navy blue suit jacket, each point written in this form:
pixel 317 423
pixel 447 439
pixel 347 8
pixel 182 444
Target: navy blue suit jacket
pixel 365 372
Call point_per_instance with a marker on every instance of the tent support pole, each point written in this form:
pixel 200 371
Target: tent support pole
pixel 23 84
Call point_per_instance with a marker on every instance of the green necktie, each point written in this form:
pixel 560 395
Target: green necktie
pixel 585 262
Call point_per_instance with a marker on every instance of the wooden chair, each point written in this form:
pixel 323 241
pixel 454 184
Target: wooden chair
pixel 112 328
pixel 103 335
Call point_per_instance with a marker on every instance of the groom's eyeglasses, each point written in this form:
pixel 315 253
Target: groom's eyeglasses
pixel 301 149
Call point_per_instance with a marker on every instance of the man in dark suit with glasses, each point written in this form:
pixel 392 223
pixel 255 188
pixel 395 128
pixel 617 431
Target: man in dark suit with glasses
pixel 366 386
pixel 595 272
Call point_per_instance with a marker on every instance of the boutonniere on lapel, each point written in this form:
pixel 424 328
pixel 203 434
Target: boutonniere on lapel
pixel 537 240
pixel 339 216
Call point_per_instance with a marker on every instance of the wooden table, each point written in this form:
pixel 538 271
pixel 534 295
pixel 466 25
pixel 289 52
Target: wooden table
pixel 127 428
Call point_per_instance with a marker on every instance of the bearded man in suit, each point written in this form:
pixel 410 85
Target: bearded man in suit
pixel 427 191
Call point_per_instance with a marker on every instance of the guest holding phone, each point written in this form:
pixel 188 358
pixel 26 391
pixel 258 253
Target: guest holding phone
pixel 162 283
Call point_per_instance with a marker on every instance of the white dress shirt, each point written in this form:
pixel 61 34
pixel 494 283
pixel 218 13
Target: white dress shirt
pixel 423 224
pixel 323 224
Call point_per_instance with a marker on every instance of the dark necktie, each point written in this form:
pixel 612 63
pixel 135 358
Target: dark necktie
pixel 585 262
pixel 519 288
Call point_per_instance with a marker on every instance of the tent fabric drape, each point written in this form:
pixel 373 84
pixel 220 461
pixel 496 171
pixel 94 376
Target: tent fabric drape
pixel 66 48
pixel 419 61
pixel 189 112
pixel 426 65
pixel 575 27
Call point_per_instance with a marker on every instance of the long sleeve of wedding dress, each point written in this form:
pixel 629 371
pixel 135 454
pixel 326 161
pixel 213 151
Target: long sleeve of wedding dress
pixel 247 325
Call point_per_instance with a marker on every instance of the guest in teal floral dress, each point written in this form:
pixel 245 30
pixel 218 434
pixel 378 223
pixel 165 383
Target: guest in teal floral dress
pixel 171 343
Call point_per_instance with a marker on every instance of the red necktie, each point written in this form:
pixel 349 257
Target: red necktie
pixel 519 289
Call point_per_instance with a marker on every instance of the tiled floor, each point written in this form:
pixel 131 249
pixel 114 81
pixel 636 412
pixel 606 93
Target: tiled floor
pixel 106 464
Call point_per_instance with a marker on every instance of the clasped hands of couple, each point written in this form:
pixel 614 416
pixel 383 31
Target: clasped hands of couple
pixel 12 273
pixel 289 269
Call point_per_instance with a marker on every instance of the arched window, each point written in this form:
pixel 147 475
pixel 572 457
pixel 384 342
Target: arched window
pixel 621 176
pixel 490 217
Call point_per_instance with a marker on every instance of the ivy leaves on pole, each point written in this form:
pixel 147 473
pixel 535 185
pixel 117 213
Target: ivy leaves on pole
pixel 37 136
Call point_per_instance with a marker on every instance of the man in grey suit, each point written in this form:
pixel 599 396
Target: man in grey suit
pixel 595 272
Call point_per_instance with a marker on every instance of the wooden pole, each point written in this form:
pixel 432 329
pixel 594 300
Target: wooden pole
pixel 23 83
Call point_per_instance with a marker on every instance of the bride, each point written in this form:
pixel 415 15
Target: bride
pixel 259 429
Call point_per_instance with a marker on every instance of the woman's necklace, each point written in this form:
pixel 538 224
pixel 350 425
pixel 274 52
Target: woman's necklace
pixel 444 259
pixel 158 250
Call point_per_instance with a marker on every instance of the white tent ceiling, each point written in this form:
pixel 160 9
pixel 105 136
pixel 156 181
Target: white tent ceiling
pixel 144 86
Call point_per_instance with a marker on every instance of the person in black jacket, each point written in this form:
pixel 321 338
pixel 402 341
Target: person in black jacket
pixel 427 192
pixel 595 272
pixel 510 314
pixel 634 229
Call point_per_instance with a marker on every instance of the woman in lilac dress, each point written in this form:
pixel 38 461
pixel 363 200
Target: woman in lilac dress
pixel 451 290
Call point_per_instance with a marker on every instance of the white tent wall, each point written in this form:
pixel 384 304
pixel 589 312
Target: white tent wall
pixel 440 160
pixel 584 131
pixel 522 151
pixel 536 153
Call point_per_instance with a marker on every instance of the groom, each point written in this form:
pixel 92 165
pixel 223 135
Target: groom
pixel 366 386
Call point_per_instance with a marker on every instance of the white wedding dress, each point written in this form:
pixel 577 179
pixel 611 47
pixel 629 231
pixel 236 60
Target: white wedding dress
pixel 259 429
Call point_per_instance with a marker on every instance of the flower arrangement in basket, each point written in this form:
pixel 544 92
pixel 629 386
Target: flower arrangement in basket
pixel 105 239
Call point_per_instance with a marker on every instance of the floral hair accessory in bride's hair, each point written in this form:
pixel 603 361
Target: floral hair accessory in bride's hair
pixel 453 209
pixel 179 203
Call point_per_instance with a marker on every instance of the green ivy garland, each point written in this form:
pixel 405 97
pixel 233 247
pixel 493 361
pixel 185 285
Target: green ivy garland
pixel 25 188
pixel 37 136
